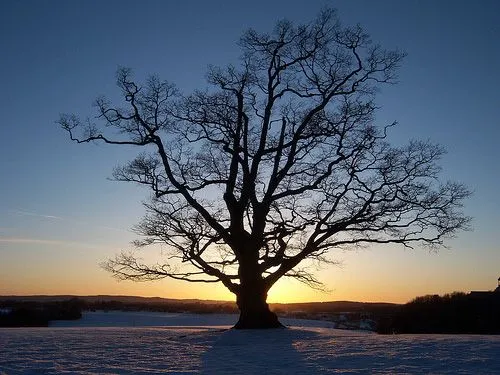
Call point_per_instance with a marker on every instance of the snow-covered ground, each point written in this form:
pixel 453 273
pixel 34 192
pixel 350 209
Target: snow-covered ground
pixel 148 319
pixel 202 344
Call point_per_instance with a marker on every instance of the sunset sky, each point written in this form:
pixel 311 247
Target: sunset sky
pixel 60 215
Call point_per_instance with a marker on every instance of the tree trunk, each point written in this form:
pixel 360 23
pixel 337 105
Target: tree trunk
pixel 251 294
pixel 254 310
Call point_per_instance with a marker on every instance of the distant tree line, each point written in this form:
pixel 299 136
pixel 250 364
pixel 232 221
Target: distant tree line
pixel 38 314
pixel 367 309
pixel 195 307
pixel 456 313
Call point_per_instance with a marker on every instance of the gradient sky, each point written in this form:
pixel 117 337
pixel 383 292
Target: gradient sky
pixel 60 215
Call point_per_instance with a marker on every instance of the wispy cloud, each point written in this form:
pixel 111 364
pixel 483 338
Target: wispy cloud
pixel 32 240
pixel 76 221
pixel 26 213
pixel 42 241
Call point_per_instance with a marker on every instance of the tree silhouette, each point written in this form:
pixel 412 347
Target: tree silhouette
pixel 277 162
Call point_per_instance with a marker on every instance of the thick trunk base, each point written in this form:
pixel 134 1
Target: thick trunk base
pixel 255 314
pixel 264 320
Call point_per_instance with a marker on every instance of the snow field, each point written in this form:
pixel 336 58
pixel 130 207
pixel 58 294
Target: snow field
pixel 219 350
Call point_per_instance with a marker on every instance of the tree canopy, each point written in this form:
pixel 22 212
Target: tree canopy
pixel 279 160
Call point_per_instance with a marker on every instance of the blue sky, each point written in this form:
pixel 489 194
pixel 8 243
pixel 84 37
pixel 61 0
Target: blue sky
pixel 60 215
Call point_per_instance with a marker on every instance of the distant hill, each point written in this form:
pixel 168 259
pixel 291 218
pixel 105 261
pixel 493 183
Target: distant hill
pixel 135 302
pixel 346 314
pixel 476 312
pixel 123 303
pixel 103 297
pixel 334 306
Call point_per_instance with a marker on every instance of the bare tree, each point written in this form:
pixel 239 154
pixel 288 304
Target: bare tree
pixel 277 162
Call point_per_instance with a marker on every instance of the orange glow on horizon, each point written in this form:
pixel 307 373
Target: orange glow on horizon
pixel 401 277
pixel 285 291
